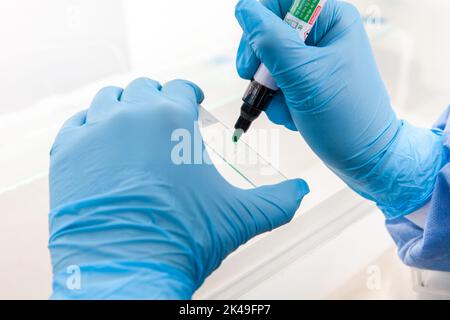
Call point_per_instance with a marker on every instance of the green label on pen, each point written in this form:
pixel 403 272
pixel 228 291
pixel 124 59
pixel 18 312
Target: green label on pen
pixel 304 9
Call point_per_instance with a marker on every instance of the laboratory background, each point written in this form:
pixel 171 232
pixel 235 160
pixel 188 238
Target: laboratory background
pixel 56 54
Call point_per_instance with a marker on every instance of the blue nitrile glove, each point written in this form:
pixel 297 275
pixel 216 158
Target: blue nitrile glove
pixel 127 220
pixel 429 248
pixel 332 93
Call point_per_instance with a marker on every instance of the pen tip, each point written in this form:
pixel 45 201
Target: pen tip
pixel 237 135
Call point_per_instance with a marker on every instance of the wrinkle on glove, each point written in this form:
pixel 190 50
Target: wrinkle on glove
pixel 429 248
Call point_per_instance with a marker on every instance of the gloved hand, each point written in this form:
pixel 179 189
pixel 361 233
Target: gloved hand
pixel 428 247
pixel 127 220
pixel 332 93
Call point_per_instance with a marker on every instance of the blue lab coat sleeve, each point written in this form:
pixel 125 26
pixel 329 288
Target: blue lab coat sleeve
pixel 429 248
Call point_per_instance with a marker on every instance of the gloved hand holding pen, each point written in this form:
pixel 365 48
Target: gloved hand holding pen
pixel 332 93
pixel 135 223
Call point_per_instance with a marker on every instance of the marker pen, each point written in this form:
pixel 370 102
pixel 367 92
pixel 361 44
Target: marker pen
pixel 302 16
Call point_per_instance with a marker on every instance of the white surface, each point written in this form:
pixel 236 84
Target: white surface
pixel 263 76
pixel 281 253
pixel 170 35
pixel 55 46
pixel 313 277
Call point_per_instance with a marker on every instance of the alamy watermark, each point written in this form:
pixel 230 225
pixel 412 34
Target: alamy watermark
pixel 260 151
